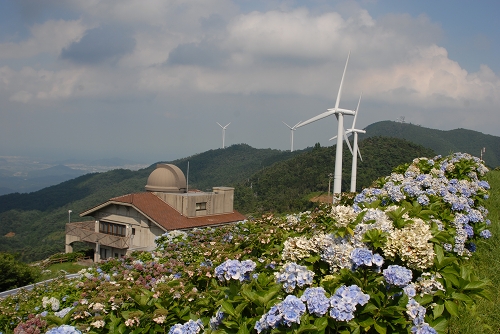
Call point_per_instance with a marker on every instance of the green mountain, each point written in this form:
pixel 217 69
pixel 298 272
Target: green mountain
pixel 442 142
pixel 33 224
pixel 266 180
pixel 285 185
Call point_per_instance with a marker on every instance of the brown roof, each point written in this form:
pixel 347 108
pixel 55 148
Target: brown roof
pixel 164 215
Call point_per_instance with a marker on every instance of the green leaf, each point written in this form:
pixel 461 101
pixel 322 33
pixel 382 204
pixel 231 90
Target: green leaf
pixel 228 308
pixel 243 329
pixel 462 297
pixel 438 310
pixel 451 307
pixel 321 323
pixel 440 325
pixel 369 308
pixel 380 327
pixel 451 278
pixel 307 328
pixel 476 285
pixel 367 322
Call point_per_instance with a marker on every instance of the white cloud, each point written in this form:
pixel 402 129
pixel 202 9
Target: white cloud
pixel 30 84
pixel 50 37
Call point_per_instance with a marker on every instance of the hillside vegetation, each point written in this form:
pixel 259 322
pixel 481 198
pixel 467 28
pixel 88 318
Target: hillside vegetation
pixel 33 224
pixel 284 186
pixel 442 142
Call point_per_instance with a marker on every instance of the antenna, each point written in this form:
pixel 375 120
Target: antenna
pixel 187 179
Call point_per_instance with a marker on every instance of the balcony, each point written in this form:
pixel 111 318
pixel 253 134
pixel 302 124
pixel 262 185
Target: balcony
pixel 85 231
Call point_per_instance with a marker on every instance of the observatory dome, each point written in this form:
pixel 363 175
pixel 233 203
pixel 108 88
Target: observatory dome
pixel 166 178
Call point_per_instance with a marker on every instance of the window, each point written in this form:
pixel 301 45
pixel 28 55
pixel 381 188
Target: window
pixel 201 206
pixel 113 229
pixel 133 230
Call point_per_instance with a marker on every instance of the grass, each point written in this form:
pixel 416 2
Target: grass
pixel 59 269
pixel 484 317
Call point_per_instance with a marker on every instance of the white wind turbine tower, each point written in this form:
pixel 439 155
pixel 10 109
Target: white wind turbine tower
pixel 223 133
pixel 292 129
pixel 355 150
pixel 339 113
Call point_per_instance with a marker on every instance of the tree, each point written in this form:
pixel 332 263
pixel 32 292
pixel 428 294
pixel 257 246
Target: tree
pixel 14 273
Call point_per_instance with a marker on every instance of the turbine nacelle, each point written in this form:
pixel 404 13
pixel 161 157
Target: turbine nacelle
pixel 292 129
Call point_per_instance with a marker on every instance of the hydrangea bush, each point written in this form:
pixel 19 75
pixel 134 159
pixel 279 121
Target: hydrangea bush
pixel 394 261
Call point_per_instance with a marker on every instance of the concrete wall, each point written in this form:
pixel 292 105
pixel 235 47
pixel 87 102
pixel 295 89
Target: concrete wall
pixel 145 230
pixel 217 202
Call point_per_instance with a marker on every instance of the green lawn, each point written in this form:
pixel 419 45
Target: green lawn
pixel 59 269
pixel 485 316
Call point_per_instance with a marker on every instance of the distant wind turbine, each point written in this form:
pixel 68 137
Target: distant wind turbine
pixel 292 129
pixel 223 133
pixel 339 113
pixel 355 150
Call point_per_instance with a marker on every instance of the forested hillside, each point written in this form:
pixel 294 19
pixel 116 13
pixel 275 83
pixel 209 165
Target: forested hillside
pixel 224 167
pixel 285 186
pixel 442 142
pixel 265 180
pixel 33 224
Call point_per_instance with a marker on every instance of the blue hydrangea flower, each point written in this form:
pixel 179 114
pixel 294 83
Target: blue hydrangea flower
pixel 485 234
pixel 410 290
pixel 292 275
pixel 343 303
pixel 64 329
pixel 62 313
pixel 361 257
pixel 190 327
pixel 423 200
pixel 397 275
pixel 365 257
pixel 216 320
pixel 287 312
pixel 316 300
pixel 234 269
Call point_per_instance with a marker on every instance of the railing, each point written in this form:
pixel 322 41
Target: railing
pixel 86 232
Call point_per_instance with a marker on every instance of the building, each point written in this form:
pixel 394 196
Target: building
pixel 132 222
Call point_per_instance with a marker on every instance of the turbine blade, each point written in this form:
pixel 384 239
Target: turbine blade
pixel 295 126
pixel 315 118
pixel 219 125
pixel 287 125
pixel 348 143
pixel 333 138
pixel 359 153
pixel 227 125
pixel 342 82
pixel 356 114
pixel 344 111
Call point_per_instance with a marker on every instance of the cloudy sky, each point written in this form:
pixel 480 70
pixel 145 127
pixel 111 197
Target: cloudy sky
pixel 148 80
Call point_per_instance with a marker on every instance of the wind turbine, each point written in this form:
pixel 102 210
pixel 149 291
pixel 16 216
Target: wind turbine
pixel 223 133
pixel 292 129
pixel 355 150
pixel 339 113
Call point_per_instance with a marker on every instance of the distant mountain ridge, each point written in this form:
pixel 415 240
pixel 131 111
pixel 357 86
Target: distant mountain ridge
pixel 265 179
pixel 442 142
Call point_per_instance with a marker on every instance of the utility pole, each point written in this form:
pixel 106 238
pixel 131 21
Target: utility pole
pixel 330 177
pixel 482 151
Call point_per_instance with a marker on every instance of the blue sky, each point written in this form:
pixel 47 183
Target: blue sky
pixel 148 80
